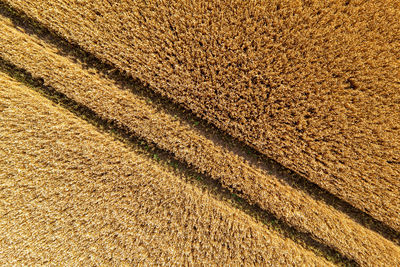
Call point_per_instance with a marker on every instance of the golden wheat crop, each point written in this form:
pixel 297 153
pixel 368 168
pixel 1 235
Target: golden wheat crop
pixel 104 97
pixel 313 85
pixel 72 195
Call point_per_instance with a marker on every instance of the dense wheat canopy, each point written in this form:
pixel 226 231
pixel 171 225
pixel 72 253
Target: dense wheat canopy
pixel 200 132
pixel 314 85
pixel 71 198
pixel 104 97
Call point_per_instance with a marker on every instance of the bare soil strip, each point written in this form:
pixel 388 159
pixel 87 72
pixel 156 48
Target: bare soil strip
pixel 71 194
pixel 292 80
pixel 102 95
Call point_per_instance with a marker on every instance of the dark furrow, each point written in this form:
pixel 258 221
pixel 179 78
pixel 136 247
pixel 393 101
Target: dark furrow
pixel 229 195
pixel 88 60
pixel 76 196
pixel 332 114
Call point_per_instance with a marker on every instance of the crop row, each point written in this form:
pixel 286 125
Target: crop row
pixel 172 134
pixel 292 80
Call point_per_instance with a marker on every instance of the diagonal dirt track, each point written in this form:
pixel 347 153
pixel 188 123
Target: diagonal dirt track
pixel 289 204
pixel 329 97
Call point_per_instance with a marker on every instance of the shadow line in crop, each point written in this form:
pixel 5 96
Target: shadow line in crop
pixel 229 195
pixel 127 82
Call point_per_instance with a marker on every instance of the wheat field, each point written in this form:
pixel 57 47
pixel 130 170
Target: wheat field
pixel 282 105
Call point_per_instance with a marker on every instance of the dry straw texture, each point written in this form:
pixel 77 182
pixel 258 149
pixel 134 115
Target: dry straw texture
pixel 72 195
pixel 112 103
pixel 314 85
